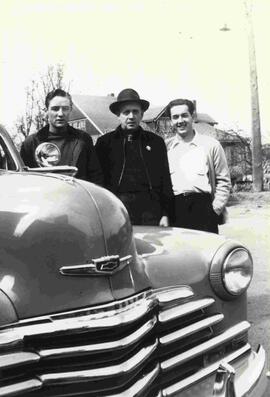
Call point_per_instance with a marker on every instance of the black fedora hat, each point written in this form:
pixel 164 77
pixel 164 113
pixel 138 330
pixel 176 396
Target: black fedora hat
pixel 128 95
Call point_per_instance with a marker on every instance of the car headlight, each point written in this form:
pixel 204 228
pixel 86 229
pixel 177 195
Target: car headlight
pixel 231 274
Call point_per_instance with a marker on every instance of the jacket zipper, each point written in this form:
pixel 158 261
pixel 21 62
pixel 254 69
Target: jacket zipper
pixel 145 167
pixel 124 162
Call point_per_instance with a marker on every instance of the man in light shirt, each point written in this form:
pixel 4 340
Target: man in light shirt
pixel 199 172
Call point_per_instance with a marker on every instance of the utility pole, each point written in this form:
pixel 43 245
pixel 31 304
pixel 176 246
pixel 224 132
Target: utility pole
pixel 257 171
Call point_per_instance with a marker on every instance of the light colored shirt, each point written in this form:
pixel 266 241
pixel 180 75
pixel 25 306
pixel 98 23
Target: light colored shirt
pixel 188 166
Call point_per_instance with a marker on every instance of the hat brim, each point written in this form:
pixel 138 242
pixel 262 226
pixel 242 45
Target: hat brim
pixel 115 106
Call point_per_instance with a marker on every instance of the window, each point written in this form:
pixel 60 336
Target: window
pixel 80 124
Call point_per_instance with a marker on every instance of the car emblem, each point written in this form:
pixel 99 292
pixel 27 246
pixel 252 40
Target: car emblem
pixel 107 264
pixel 103 266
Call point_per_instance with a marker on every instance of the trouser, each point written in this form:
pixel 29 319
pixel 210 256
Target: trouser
pixel 195 211
pixel 143 207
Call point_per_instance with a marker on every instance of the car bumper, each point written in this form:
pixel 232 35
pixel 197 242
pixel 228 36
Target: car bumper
pixel 249 379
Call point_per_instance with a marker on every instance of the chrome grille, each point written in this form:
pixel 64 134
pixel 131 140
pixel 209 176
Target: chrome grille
pixel 130 347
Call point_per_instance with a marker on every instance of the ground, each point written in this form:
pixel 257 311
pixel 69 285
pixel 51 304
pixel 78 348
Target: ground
pixel 248 200
pixel 249 223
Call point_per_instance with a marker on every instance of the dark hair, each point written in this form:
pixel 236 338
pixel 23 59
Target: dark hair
pixel 57 92
pixel 177 102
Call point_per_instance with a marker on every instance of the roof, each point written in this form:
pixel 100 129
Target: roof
pixel 155 113
pixel 96 110
pixel 222 136
pixel 205 118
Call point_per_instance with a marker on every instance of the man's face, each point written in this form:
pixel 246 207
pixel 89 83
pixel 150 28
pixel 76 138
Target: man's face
pixel 58 112
pixel 130 116
pixel 182 120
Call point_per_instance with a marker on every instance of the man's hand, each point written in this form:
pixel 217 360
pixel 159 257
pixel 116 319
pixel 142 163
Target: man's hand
pixel 164 221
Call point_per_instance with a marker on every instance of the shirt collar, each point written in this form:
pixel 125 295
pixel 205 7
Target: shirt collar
pixel 44 132
pixel 176 140
pixel 195 140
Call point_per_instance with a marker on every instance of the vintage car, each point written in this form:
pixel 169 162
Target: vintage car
pixel 91 306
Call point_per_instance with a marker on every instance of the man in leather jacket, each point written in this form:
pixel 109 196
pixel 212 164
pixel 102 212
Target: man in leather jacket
pixel 75 146
pixel 135 163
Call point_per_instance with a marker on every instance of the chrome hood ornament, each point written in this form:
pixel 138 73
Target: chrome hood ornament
pixel 47 154
pixel 103 266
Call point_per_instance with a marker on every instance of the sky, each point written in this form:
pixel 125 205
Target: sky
pixel 165 49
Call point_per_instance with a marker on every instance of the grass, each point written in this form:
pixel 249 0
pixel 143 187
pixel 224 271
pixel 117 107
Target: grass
pixel 251 199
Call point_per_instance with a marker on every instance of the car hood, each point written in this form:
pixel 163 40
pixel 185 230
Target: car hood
pixel 47 222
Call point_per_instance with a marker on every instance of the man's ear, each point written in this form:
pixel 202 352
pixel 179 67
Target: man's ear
pixel 194 116
pixel 45 115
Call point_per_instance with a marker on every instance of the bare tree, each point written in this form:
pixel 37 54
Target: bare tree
pixel 34 117
pixel 243 151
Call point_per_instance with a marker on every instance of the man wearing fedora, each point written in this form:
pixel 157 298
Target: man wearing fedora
pixel 135 164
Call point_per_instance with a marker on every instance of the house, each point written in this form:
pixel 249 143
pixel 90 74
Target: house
pixel 158 120
pixel 91 114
